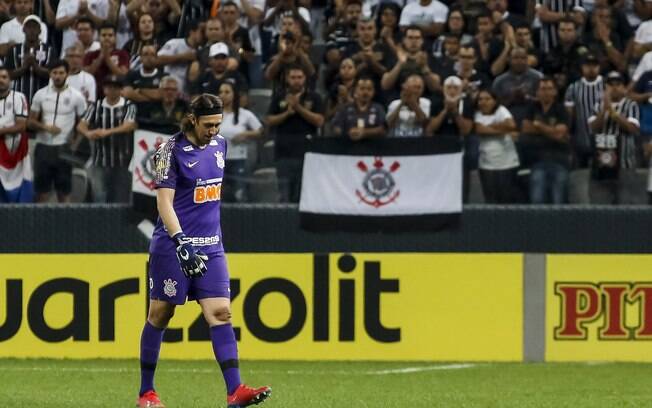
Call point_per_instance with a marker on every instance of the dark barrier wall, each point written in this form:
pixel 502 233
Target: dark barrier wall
pixel 275 228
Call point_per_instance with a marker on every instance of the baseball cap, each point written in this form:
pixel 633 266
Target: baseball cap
pixel 32 17
pixel 218 49
pixel 590 59
pixel 615 76
pixel 112 79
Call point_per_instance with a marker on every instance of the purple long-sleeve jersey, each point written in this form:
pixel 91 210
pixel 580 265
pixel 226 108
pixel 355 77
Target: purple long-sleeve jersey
pixel 196 176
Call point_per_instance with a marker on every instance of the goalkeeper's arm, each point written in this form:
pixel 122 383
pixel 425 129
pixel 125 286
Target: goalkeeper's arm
pixel 164 203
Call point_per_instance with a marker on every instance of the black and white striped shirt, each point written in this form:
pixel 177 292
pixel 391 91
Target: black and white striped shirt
pixel 613 140
pixel 29 82
pixel 583 95
pixel 548 37
pixel 114 150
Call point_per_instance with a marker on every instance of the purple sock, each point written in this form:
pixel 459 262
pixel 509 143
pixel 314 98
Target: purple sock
pixel 150 344
pixel 226 352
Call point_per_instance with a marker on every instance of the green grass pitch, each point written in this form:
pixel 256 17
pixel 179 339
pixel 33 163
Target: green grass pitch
pixel 113 383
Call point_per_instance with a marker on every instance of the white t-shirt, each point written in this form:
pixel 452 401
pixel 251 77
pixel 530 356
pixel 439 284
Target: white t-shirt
pixel 496 152
pixel 643 66
pixel 406 125
pixel 69 8
pixel 415 13
pixel 246 121
pixel 177 46
pixel 85 84
pixel 12 31
pixel 276 27
pixel 60 109
pixel 644 33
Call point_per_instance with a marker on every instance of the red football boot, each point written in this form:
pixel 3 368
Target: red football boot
pixel 149 400
pixel 244 396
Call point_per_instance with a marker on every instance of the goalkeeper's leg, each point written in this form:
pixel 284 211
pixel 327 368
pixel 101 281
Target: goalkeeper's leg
pixel 159 316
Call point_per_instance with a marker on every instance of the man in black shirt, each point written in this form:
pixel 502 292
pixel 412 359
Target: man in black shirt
pixel 369 55
pixel 563 62
pixel 211 80
pixel 163 116
pixel 295 116
pixel 546 146
pixel 143 83
pixel 363 118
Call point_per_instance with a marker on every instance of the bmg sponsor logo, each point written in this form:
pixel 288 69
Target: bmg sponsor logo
pixel 611 303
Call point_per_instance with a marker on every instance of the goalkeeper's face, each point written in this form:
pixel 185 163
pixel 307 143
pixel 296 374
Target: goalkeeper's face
pixel 206 127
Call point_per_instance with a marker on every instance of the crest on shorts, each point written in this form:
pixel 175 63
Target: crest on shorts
pixel 219 159
pixel 170 287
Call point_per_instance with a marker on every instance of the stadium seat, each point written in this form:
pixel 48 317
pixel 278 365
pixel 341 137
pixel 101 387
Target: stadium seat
pixel 263 186
pixel 259 100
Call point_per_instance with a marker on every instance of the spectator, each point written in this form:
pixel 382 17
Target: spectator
pixel 166 15
pixel 516 87
pixel 79 79
pixel 143 83
pixel 275 14
pixel 498 160
pixel 340 32
pixel 71 11
pixel 362 118
pixel 580 100
pixel 389 33
pixel 641 93
pixel 472 79
pixel 368 54
pixel 237 37
pixel 409 61
pixel 163 116
pixel 213 33
pixel 218 74
pixel 295 117
pixel 550 13
pixel 407 116
pixel 486 43
pixel 562 61
pixel 430 15
pixel 451 120
pixel 251 12
pixel 239 127
pixel 109 124
pixel 520 37
pixel 341 92
pixel 445 65
pixel 13 188
pixel 177 54
pixel 53 115
pixel 85 29
pixel 290 52
pixel 28 60
pixel 145 35
pixel 616 128
pixel 643 36
pixel 546 146
pixel 456 26
pixel 451 112
pixel 500 13
pixel 11 32
pixel 107 60
pixel 603 41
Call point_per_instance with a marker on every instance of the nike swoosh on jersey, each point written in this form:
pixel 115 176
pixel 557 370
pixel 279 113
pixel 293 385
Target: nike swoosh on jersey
pixel 192 164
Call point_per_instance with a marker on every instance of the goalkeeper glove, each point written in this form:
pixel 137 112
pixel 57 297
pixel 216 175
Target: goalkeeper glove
pixel 190 259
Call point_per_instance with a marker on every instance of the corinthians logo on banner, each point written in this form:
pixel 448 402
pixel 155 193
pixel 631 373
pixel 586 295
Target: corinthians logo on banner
pixel 379 185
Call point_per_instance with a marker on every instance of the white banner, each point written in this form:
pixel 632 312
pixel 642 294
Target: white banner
pixel 146 144
pixel 381 186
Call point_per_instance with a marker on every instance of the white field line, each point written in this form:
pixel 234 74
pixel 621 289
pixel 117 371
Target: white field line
pixel 405 370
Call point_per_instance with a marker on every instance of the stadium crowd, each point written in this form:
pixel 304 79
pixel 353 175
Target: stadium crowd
pixel 551 99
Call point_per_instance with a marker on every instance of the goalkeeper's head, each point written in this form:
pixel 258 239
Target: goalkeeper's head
pixel 203 121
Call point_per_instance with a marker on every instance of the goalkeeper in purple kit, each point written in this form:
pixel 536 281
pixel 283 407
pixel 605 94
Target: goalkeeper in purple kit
pixel 186 253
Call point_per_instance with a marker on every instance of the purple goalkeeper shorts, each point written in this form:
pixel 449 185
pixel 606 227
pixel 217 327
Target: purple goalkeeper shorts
pixel 168 283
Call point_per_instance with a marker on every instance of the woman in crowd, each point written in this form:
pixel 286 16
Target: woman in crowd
pixel 498 162
pixel 389 32
pixel 239 126
pixel 145 35
pixel 455 24
pixel 341 90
